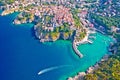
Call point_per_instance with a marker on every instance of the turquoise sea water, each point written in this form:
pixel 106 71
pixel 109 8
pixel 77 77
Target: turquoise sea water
pixel 22 56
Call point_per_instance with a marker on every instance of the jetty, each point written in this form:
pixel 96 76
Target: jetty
pixel 89 41
pixel 83 41
pixel 76 50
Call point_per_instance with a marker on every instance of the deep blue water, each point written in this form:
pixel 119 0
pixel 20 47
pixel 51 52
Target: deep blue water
pixel 22 56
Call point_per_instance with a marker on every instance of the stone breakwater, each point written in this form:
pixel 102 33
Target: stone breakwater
pixel 75 43
pixel 76 50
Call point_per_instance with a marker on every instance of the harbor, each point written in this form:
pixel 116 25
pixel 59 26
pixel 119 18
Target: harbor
pixel 85 40
pixel 34 54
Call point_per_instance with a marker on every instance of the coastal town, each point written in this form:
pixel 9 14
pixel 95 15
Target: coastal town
pixel 73 20
pixel 54 20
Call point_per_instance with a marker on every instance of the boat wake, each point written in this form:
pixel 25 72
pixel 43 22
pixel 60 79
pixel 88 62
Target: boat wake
pixel 52 68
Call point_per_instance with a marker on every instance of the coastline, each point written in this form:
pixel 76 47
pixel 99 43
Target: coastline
pixel 80 75
pixel 75 44
pixel 44 38
pixel 90 69
pixel 87 39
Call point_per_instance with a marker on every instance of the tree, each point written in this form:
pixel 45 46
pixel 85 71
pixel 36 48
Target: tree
pixel 90 77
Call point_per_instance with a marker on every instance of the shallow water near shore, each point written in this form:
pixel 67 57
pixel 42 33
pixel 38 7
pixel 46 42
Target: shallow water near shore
pixel 22 56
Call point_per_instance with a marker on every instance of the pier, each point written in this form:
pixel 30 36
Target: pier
pixel 89 41
pixel 83 41
pixel 76 50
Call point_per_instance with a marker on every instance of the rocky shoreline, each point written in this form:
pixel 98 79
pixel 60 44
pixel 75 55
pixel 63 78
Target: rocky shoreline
pixel 80 75
pixel 60 36
pixel 57 22
pixel 53 22
pixel 91 69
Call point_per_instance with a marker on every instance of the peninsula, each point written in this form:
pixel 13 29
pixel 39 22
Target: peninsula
pixel 73 20
pixel 53 20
